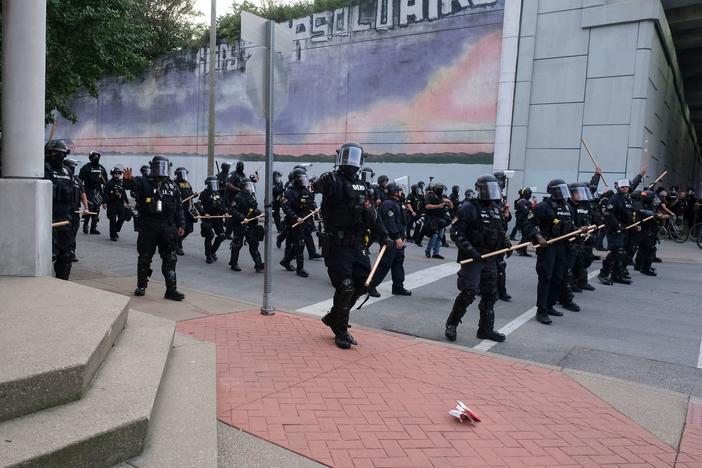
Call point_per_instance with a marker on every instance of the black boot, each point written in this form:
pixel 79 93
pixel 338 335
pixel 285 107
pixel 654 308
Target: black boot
pixel 373 292
pixel 604 279
pixel 571 306
pixel 401 291
pixel 505 297
pixel 463 300
pixel 171 290
pixel 486 324
pixel 551 311
pixel 542 317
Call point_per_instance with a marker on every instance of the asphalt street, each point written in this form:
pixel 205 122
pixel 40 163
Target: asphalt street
pixel 648 332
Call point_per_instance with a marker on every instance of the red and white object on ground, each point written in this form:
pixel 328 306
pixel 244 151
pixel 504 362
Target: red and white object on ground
pixel 464 414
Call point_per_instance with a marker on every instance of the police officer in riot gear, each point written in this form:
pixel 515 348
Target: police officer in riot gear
pixel 619 213
pixel 62 205
pixel 116 199
pixel 644 204
pixel 162 222
pixel 223 175
pixel 550 219
pixel 278 192
pixel 522 207
pixel 379 190
pixel 94 177
pixel 347 215
pixel 186 191
pixel 394 218
pixel 212 229
pixel 584 215
pixel 478 230
pixel 145 170
pixel 244 209
pixel 79 198
pixel 298 202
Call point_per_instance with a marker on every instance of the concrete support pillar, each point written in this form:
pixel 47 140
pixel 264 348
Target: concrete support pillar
pixel 25 199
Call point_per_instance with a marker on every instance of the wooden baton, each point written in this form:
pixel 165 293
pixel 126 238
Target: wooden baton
pixel 375 265
pixel 587 149
pixel 305 218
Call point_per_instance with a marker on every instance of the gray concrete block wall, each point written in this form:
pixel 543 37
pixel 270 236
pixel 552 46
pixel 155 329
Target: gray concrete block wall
pixel 611 84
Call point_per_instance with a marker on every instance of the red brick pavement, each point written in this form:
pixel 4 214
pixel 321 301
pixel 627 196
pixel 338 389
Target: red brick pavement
pixel 691 444
pixel 385 403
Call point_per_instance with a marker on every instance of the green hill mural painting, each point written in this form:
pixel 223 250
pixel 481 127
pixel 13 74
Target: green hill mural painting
pixel 412 80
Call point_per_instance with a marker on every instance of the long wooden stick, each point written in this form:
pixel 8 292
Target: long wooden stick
pixel 213 216
pixel 496 252
pixel 246 221
pixel 52 133
pixel 60 223
pixel 565 236
pixel 375 265
pixel 658 179
pixel 587 149
pixel 196 194
pixel 640 222
pixel 305 218
pixel 87 213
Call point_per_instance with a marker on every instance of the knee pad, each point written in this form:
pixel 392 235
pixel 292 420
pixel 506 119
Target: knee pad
pixel 170 260
pixel 468 295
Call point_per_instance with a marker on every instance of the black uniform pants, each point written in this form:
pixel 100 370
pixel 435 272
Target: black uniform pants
pixel 347 267
pixel 583 260
pixel 239 233
pixel 616 260
pixel 473 278
pixel 189 228
pixel 115 213
pixel 95 208
pixel 75 225
pixel 295 246
pixel 275 208
pixel 646 252
pixel 565 296
pixel 550 269
pixel 213 232
pixel 63 241
pixel 393 261
pixel 501 275
pixel 155 234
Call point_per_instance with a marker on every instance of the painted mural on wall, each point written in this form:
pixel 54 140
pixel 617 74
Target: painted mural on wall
pixel 412 80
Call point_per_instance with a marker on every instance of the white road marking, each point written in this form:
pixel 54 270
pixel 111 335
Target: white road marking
pixel 699 357
pixel 486 345
pixel 412 281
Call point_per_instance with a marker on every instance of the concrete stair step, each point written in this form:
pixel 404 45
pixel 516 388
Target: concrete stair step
pixel 109 424
pixel 53 339
pixel 183 430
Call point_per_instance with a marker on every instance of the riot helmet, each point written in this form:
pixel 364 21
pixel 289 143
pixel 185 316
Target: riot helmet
pixel 211 183
pixel 488 188
pixel 225 167
pixel 248 186
pixel 580 192
pixel 393 189
pixel 367 175
pixel 71 165
pixel 349 158
pixel 299 177
pixel 438 189
pixel 94 157
pixel 277 176
pixel 160 166
pixel 558 190
pixel 181 174
pixel 455 189
pixel 525 193
pixel 622 185
pixel 145 170
pixel 240 167
pixel 501 178
pixel 420 187
pixel 55 151
pixel 383 179
pixel 116 172
pixel 469 193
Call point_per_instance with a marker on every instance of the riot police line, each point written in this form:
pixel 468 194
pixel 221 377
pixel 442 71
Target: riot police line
pixel 355 213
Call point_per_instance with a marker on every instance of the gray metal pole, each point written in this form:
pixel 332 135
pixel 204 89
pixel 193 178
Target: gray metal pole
pixel 267 308
pixel 211 91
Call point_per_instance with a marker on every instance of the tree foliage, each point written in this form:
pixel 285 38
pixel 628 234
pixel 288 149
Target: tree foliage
pixel 229 25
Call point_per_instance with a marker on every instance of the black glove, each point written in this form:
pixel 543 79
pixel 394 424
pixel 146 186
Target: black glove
pixel 474 254
pixel 508 254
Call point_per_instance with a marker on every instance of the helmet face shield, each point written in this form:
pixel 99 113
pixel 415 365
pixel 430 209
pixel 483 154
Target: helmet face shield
pixel 580 194
pixel 489 191
pixel 559 192
pixel 350 156
pixel 248 187
pixel 160 168
pixel 181 174
pixel 212 184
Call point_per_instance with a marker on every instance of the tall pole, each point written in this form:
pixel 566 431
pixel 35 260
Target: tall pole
pixel 267 308
pixel 25 197
pixel 211 91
